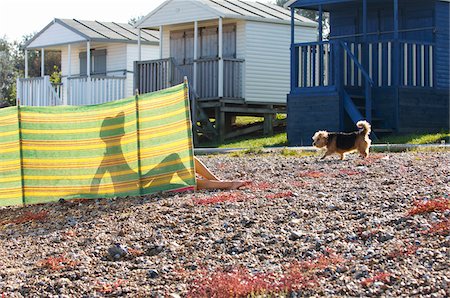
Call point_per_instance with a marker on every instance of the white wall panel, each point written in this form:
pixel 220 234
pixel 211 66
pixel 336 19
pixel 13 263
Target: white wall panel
pixel 267 60
pixel 54 35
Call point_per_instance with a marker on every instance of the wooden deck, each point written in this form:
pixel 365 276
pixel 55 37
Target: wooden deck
pixel 214 107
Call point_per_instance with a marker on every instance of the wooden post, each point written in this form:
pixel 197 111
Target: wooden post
pixel 26 64
pixel 42 62
pixel 88 71
pixel 194 79
pixel 321 56
pixel 365 63
pixel 161 31
pixel 395 65
pixel 69 64
pixel 88 59
pixel 294 65
pixel 139 45
pixel 220 76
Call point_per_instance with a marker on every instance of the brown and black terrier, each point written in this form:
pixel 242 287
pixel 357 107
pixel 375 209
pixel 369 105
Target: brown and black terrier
pixel 341 143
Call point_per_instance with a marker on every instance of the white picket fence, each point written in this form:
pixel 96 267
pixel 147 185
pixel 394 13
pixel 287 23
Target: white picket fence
pixel 72 91
pixel 38 92
pixel 94 90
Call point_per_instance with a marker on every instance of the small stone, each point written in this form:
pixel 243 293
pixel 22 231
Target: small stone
pixel 385 237
pixel 295 235
pixel 341 269
pixel 155 250
pixel 152 273
pixel 117 251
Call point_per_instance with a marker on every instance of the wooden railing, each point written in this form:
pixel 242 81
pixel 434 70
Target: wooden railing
pixel 158 74
pixel 94 90
pixel 418 64
pixel 38 92
pixel 317 64
pixel 153 75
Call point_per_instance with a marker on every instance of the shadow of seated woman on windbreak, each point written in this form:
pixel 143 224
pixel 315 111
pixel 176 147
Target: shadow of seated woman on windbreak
pixel 125 179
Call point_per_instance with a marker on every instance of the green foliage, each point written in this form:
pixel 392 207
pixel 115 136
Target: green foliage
pixel 55 77
pixel 12 66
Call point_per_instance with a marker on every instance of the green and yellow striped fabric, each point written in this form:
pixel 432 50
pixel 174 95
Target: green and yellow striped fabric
pixel 126 147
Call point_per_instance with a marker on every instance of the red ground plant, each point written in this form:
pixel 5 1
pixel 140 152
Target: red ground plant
pixel 239 282
pixel 439 228
pixel 438 204
pixel 223 197
pixel 402 251
pixel 108 287
pixel 279 195
pixel 261 186
pixel 384 277
pixel 57 263
pixel 29 216
pixel 311 174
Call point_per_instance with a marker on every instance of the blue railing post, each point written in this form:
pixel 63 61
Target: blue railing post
pixel 294 58
pixel 320 46
pixel 395 64
pixel 365 62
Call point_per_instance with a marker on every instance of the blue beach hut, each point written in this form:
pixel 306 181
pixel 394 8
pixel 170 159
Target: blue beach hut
pixel 386 61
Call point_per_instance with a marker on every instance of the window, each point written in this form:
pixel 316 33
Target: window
pixel 98 62
pixel 182 44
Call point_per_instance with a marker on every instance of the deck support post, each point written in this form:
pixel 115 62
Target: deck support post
pixel 139 58
pixel 220 76
pixel 42 62
pixel 26 64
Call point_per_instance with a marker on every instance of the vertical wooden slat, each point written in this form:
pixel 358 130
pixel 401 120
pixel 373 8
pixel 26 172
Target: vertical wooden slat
pixel 431 66
pixel 389 60
pixel 380 63
pixel 422 65
pixel 360 61
pixel 414 65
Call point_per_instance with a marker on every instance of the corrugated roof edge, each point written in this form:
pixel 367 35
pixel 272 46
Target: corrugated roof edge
pixel 84 36
pixel 306 22
pixel 59 21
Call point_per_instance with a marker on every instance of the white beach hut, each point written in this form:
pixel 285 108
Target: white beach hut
pixel 236 54
pixel 107 49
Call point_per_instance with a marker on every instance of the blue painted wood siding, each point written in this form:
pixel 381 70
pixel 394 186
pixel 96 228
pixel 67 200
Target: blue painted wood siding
pixel 442 45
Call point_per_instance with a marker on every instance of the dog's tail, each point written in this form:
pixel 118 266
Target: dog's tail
pixel 365 126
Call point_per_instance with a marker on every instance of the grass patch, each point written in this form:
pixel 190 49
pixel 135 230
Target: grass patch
pixel 417 139
pixel 257 142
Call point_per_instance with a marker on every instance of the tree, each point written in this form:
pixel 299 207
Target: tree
pixel 12 65
pixel 134 20
pixel 7 70
pixel 312 15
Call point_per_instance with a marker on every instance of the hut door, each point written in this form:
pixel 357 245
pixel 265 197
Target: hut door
pixel 177 47
pixel 182 46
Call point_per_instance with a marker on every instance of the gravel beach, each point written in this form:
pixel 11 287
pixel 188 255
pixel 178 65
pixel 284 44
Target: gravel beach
pixel 358 227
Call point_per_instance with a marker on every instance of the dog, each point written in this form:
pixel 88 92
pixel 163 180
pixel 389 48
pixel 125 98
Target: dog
pixel 341 143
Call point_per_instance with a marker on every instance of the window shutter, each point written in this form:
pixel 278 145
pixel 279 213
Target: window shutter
pixel 177 46
pixel 229 41
pixel 209 42
pixel 82 57
pixel 99 65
